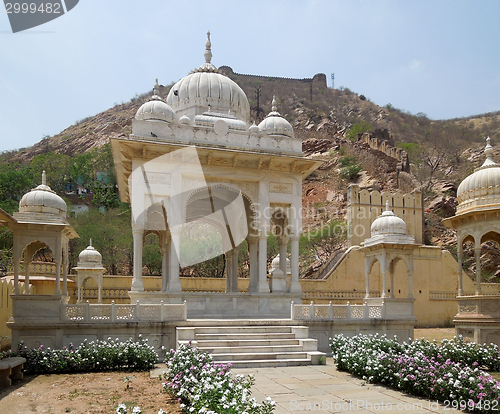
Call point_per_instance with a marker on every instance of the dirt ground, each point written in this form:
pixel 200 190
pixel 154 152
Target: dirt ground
pixel 102 392
pixel 86 393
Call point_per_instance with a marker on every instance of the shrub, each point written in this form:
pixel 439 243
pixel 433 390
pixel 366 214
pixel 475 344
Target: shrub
pixel 89 356
pixel 358 128
pixel 204 386
pixel 423 368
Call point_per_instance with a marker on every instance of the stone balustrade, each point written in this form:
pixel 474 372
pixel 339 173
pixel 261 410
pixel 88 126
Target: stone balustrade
pixel 138 312
pixel 314 312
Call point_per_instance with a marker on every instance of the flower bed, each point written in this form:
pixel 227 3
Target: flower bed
pixel 202 386
pixel 449 372
pixel 90 356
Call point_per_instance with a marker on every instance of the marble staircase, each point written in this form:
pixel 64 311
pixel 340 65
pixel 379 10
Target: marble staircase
pixel 254 346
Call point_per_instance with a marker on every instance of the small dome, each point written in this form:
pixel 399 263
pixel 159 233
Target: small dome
pixel 184 120
pixel 155 109
pixel 89 257
pixel 43 200
pixel 207 88
pixel 254 129
pixel 275 264
pixel 482 185
pixel 388 224
pixel 275 124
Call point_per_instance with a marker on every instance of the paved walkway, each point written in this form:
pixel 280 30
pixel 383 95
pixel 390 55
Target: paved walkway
pixel 324 389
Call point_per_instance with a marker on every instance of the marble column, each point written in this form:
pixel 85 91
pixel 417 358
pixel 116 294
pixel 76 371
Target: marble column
pixel 137 285
pixel 65 269
pixel 283 241
pixel 383 270
pixel 459 260
pixel 229 271
pixel 410 278
pixel 262 285
pixel 234 284
pixel 16 257
pixel 165 250
pixel 174 282
pixel 57 290
pixel 252 252
pixel 294 262
pixel 27 261
pixel 367 278
pixel 477 253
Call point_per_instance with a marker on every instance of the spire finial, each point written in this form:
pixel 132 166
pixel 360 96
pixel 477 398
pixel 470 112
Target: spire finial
pixel 274 104
pixel 156 89
pixel 387 205
pixel 208 49
pixel 90 243
pixel 44 178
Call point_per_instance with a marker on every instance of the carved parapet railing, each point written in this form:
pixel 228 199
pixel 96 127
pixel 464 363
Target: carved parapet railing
pixel 331 312
pixel 112 313
pixel 480 306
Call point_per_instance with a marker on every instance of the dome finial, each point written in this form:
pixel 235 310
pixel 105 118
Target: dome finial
pixel 156 89
pixel 90 243
pixel 387 205
pixel 208 49
pixel 274 107
pixel 44 178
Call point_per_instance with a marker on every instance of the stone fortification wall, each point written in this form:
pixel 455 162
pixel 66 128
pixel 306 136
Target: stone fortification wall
pixel 363 207
pixel 318 80
pixel 386 146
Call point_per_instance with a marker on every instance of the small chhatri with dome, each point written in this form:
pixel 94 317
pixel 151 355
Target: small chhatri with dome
pixel 477 221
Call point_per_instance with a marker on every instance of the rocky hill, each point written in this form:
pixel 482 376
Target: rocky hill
pixel 331 123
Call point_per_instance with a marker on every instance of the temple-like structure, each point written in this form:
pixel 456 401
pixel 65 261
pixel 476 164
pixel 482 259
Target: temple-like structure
pixel 195 160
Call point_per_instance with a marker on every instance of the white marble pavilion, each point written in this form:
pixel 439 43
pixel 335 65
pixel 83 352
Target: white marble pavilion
pixel 190 158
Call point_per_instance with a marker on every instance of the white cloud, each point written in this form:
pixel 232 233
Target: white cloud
pixel 415 64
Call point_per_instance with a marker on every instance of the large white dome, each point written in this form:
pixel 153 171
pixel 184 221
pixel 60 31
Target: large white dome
pixel 43 200
pixel 207 89
pixel 479 188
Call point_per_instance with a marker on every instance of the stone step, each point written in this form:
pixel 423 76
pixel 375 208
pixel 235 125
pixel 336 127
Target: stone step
pixel 238 337
pixel 267 363
pixel 250 349
pixel 246 342
pixel 259 356
pixel 243 329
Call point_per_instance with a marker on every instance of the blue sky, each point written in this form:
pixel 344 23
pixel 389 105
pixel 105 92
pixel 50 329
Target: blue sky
pixel 433 56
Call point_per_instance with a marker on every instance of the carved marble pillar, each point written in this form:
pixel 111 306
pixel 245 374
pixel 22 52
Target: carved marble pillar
pixel 253 253
pixel 65 270
pixel 174 282
pixel 477 253
pixel 27 260
pixel 383 270
pixel 294 262
pixel 262 285
pixel 165 256
pixel 410 278
pixel 367 277
pixel 229 271
pixel 459 260
pixel 16 257
pixel 137 285
pixel 58 260
pixel 236 253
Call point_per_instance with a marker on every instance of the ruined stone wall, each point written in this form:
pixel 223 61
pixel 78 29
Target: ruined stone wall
pixel 363 207
pixel 385 146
